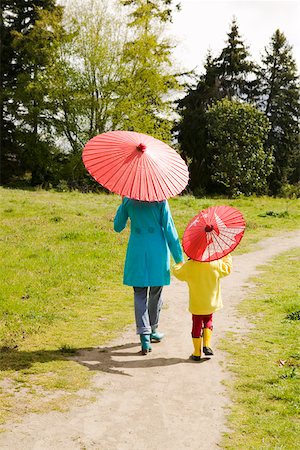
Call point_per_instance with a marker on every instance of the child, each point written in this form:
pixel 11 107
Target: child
pixel 203 279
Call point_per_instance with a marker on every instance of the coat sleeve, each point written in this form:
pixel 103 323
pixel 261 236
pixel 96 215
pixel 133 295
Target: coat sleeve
pixel 180 272
pixel 121 218
pixel 171 233
pixel 225 265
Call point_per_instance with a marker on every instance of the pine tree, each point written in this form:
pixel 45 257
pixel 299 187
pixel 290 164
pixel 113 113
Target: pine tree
pixel 234 66
pixel 228 75
pixel 25 51
pixel 191 130
pixel 279 99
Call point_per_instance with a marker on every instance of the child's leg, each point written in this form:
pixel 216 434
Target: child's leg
pixel 207 332
pixel 196 336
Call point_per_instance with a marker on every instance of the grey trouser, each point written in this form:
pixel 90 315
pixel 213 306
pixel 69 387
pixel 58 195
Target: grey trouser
pixel 147 306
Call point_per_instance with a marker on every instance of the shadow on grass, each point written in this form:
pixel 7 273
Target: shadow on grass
pixel 97 359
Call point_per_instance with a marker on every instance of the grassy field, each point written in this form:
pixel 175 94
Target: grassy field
pixel 266 389
pixel 61 283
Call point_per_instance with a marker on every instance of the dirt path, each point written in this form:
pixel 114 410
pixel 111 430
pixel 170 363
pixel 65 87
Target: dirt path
pixel 158 402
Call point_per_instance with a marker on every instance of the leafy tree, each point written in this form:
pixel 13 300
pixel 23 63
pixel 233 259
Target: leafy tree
pixel 26 50
pixel 234 67
pixel 149 79
pixel 279 99
pixel 237 133
pixel 84 76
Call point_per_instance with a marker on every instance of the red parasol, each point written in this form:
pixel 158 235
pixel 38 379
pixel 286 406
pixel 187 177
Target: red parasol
pixel 213 233
pixel 135 165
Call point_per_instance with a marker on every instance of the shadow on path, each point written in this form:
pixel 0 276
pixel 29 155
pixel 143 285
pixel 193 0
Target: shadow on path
pixel 102 359
pixel 98 359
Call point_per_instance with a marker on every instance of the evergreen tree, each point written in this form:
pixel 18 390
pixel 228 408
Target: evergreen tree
pixel 25 52
pixel 279 99
pixel 230 75
pixel 191 130
pixel 234 67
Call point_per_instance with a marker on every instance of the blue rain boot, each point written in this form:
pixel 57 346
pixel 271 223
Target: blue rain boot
pixel 156 336
pixel 146 345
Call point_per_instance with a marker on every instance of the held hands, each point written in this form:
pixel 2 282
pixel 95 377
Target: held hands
pixel 178 265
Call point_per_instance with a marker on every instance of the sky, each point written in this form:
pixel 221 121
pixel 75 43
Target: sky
pixel 204 24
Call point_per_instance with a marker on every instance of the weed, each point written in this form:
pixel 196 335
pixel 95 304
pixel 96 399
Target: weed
pixel 295 315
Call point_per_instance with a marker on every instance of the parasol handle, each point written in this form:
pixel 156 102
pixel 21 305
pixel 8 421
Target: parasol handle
pixel 209 228
pixel 141 148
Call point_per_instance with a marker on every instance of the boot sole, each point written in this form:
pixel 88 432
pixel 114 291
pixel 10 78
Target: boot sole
pixel 195 358
pixel 208 351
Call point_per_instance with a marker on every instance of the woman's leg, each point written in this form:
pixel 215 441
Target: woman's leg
pixel 143 327
pixel 141 310
pixel 154 306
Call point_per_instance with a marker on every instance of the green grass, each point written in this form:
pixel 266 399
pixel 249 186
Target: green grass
pixel 61 282
pixel 266 363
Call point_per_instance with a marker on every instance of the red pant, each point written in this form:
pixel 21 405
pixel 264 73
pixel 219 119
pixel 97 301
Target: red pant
pixel 199 322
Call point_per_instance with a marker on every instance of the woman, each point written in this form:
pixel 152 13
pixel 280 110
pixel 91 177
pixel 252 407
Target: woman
pixel 147 266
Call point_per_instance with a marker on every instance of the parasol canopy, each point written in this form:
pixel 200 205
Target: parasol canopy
pixel 213 233
pixel 135 165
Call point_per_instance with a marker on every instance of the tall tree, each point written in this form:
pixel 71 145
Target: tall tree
pixel 229 75
pixel 191 129
pixel 236 134
pixel 149 79
pixel 234 66
pixel 24 55
pixel 279 99
pixel 84 77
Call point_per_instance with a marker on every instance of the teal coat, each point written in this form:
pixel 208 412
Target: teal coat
pixel 152 235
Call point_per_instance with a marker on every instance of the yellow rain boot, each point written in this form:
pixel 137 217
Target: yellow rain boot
pixel 196 356
pixel 207 332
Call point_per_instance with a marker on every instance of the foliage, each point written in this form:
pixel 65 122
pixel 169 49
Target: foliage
pixel 225 76
pixel 93 70
pixel 27 37
pixel 273 87
pixel 191 130
pixel 71 73
pixel 237 133
pixel 279 99
pixel 148 79
pixel 233 66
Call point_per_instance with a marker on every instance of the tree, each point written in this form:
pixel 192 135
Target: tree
pixel 229 75
pixel 26 50
pixel 191 129
pixel 84 77
pixel 236 134
pixel 149 80
pixel 234 68
pixel 279 99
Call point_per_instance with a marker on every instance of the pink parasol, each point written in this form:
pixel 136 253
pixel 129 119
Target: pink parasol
pixel 135 165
